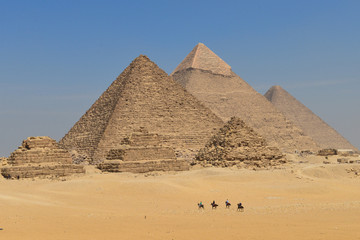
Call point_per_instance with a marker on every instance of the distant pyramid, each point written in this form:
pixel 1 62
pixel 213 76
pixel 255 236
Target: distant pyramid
pixel 143 97
pixel 313 126
pixel 201 57
pixel 212 81
pixel 238 144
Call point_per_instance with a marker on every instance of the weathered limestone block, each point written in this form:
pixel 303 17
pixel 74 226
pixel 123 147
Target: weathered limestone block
pixel 327 152
pixel 343 160
pixel 3 161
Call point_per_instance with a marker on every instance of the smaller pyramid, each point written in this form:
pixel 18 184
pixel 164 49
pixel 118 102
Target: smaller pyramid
pixel 312 125
pixel 201 57
pixel 238 144
pixel 40 156
pixel 142 152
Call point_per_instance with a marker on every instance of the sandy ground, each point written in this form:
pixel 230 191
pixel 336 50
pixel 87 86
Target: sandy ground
pixel 303 200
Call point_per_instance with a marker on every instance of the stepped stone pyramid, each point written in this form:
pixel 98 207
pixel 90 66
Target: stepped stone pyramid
pixel 313 126
pixel 40 156
pixel 212 81
pixel 238 144
pixel 143 96
pixel 142 152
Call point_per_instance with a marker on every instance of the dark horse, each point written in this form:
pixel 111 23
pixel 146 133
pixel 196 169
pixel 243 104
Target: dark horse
pixel 240 207
pixel 200 205
pixel 227 204
pixel 213 205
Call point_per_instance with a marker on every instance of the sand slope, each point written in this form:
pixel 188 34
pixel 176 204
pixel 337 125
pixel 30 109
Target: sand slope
pixel 301 201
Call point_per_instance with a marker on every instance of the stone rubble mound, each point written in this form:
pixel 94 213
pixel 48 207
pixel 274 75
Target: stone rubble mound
pixel 142 152
pixel 327 152
pixel 40 156
pixel 238 144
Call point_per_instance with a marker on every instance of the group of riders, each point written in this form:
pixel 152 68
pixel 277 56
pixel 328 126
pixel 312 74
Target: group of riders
pixel 227 205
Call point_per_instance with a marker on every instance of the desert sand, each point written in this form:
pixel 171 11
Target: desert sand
pixel 303 199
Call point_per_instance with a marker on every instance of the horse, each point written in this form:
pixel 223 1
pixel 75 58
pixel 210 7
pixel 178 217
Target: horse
pixel 227 204
pixel 213 205
pixel 200 205
pixel 240 207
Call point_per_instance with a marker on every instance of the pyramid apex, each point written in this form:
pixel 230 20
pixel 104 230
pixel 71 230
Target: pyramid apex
pixel 201 57
pixel 276 87
pixel 141 58
pixel 142 61
pixel 273 91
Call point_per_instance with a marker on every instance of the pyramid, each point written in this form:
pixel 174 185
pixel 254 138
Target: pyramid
pixel 238 144
pixel 143 97
pixel 203 58
pixel 142 152
pixel 313 126
pixel 212 81
pixel 40 156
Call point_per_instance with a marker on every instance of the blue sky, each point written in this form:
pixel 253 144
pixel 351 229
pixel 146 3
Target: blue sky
pixel 57 57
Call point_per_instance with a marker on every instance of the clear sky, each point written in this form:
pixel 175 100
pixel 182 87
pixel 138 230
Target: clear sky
pixel 57 57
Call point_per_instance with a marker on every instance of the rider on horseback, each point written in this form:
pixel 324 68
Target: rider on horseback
pixel 240 207
pixel 227 203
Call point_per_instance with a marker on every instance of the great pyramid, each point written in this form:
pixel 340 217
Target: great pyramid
pixel 313 126
pixel 212 81
pixel 238 144
pixel 143 97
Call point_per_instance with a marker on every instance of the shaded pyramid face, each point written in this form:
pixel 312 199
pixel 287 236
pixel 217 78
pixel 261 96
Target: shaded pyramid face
pixel 143 97
pixel 227 95
pixel 238 144
pixel 313 126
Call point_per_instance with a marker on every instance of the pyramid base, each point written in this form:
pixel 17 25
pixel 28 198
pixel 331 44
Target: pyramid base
pixel 31 171
pixel 143 166
pixel 251 164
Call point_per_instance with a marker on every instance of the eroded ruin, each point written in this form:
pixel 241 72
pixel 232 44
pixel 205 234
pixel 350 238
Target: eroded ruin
pixel 142 152
pixel 237 144
pixel 40 156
